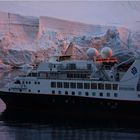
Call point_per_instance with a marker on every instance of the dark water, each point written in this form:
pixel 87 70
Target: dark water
pixel 33 128
pixel 26 126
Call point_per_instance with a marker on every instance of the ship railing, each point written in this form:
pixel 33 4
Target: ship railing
pixel 66 78
pixel 75 70
pixel 125 62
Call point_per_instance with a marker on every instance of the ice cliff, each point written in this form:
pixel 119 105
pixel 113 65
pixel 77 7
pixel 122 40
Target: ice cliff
pixel 29 39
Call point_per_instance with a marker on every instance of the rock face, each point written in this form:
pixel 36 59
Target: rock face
pixel 29 39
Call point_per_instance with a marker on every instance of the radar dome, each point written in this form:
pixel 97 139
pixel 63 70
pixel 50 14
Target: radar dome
pixel 91 52
pixel 106 52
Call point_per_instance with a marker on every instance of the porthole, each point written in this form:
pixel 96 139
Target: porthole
pixel 73 93
pixel 79 93
pixel 38 82
pixel 86 93
pixel 101 94
pixel 59 92
pixel 29 90
pixel 53 91
pixel 108 94
pixel 115 95
pixel 38 91
pixel 93 93
pixel 66 92
pixel 35 83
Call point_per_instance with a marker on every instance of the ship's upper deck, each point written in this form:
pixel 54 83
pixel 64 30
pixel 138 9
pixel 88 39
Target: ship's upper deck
pixel 72 65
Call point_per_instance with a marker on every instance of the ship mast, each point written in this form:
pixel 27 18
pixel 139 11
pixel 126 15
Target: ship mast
pixel 9 22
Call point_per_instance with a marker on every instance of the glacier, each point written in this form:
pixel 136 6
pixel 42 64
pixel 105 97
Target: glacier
pixel 29 40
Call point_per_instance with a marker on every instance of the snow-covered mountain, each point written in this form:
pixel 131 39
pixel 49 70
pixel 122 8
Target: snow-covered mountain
pixel 29 39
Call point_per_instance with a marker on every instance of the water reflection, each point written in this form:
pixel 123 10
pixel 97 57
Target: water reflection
pixel 50 131
pixel 24 126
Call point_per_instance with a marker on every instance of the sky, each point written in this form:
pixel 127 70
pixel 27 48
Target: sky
pixel 124 13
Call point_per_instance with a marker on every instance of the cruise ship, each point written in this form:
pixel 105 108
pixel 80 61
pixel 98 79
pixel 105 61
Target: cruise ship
pixel 100 86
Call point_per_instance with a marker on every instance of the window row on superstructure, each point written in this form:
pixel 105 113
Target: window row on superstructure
pixel 101 94
pixel 61 75
pixel 100 86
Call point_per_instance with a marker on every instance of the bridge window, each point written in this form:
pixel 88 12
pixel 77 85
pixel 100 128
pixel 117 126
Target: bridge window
pixel 115 86
pixel 71 66
pixel 108 86
pixel 93 85
pixel 89 67
pixel 34 74
pixel 66 85
pixel 73 85
pixel 100 86
pixel 80 85
pixel 59 84
pixel 43 75
pixel 17 82
pixel 69 75
pixel 53 84
pixel 86 85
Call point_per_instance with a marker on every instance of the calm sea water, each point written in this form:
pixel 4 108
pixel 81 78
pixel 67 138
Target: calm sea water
pixel 26 126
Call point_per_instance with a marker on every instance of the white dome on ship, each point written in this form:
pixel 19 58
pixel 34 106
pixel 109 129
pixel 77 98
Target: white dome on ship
pixel 106 52
pixel 91 52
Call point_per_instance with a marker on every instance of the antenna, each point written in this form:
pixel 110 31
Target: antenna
pixel 129 41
